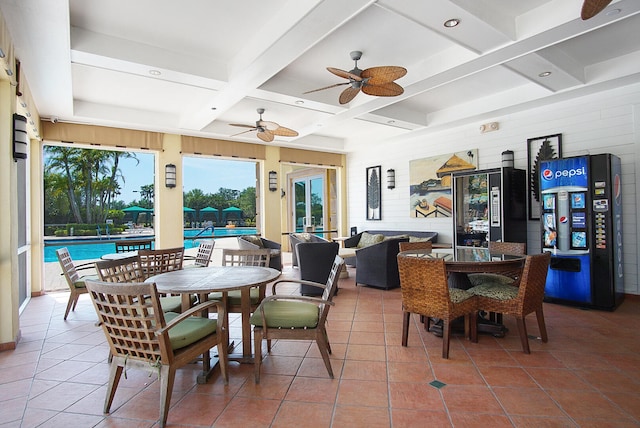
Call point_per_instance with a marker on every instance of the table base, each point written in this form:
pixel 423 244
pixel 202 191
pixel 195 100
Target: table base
pixel 484 326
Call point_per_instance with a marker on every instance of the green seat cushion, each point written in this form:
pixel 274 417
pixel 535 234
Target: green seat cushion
pixel 457 295
pixel 171 304
pixel 287 314
pixel 233 297
pixel 80 283
pixel 495 291
pixel 367 239
pixel 190 330
pixel 489 278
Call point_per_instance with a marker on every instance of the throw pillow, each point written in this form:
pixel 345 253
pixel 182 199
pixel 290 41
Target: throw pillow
pixel 395 237
pixel 367 239
pixel 419 239
pixel 255 240
pixel 306 237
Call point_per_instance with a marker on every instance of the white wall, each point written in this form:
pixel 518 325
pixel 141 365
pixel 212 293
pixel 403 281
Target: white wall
pixel 608 122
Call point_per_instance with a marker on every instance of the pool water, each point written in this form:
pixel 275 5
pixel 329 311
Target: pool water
pixel 80 249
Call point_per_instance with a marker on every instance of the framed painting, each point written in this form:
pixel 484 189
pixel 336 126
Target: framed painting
pixel 539 149
pixel 430 182
pixel 374 200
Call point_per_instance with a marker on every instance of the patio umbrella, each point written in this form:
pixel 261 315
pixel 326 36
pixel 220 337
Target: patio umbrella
pixel 231 212
pixel 209 210
pixel 135 211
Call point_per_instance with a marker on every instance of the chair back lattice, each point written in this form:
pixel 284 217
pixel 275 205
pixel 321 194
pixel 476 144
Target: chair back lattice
pixel 422 245
pixel 332 286
pixel 153 262
pixel 514 248
pixel 68 268
pixel 120 270
pixel 424 287
pixel 258 257
pixel 205 249
pixel 127 245
pixel 129 314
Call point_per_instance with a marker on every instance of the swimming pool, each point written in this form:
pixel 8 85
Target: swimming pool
pixel 84 249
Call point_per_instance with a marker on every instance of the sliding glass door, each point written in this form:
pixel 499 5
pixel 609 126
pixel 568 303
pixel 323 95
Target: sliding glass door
pixel 309 203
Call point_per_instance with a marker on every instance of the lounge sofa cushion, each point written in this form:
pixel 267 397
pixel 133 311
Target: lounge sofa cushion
pixel 368 239
pixel 255 240
pixel 419 238
pixel 403 236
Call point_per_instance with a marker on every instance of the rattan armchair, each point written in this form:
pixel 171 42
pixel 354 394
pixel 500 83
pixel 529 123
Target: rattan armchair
pixel 75 282
pixel 291 317
pixel 425 291
pixel 419 245
pixel 141 336
pixel 519 301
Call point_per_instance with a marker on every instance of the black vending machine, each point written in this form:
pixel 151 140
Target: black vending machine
pixel 581 219
pixel 489 205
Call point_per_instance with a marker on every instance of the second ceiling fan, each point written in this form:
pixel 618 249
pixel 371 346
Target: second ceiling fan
pixel 376 81
pixel 266 129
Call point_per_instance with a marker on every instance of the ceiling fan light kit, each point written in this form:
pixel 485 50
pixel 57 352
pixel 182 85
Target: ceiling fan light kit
pixel 375 81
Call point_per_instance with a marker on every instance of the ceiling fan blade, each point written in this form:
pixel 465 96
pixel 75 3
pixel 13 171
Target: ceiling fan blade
pixel 344 74
pixel 326 87
pixel 381 75
pixel 284 132
pixel 348 94
pixel 243 126
pixel 591 8
pixel 391 89
pixel 266 136
pixel 268 125
pixel 243 132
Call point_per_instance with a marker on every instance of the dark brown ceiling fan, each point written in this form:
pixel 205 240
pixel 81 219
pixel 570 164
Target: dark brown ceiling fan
pixel 591 8
pixel 376 81
pixel 266 130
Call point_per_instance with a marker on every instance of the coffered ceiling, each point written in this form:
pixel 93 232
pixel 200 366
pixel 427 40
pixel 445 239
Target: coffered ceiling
pixel 194 67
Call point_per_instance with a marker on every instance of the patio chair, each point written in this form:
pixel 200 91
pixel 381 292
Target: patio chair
pixel 425 291
pixel 254 242
pixel 297 238
pixel 315 261
pixel 291 317
pixel 203 256
pixel 232 257
pixel 127 245
pixel 420 245
pixel 128 270
pixel 154 262
pixel 75 282
pixel 141 336
pixel 522 300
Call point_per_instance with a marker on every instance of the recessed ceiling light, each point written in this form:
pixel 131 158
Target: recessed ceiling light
pixel 613 12
pixel 214 108
pixel 299 102
pixel 450 23
pixel 391 122
pixel 544 74
pixel 155 72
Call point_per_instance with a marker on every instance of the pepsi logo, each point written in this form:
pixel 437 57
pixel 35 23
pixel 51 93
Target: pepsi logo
pixel 547 174
pixel 563 219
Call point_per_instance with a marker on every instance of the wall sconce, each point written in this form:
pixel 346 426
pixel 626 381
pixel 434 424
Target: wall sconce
pixel 20 137
pixel 391 179
pixel 273 181
pixel 170 175
pixel 507 159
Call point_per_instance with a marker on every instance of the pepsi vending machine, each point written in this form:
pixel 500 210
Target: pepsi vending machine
pixel 582 228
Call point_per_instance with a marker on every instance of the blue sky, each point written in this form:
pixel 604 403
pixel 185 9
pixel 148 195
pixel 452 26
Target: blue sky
pixel 205 174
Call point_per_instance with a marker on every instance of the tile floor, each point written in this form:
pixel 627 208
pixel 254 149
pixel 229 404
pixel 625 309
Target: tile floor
pixel 587 375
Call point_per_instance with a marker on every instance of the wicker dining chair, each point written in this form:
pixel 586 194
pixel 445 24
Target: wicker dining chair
pixel 425 291
pixel 420 245
pixel 141 336
pixel 75 281
pixel 203 256
pixel 519 301
pixel 294 317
